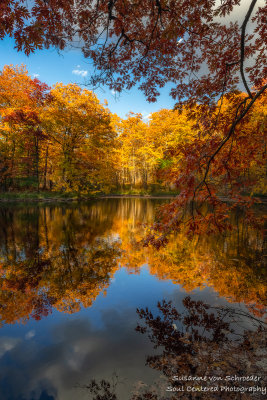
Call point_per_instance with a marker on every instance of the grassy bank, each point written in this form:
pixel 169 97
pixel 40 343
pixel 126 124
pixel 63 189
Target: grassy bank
pixel 41 196
pixel 58 196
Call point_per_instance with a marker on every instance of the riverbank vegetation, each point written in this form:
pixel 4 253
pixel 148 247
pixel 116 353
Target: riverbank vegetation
pixel 212 145
pixel 62 141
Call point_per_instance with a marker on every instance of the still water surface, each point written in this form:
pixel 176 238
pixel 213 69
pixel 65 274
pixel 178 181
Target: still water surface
pixel 71 280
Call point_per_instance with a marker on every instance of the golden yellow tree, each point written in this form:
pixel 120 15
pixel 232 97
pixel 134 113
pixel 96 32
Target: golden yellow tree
pixel 79 128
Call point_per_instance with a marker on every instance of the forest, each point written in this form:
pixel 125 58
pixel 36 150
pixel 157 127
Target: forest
pixel 133 247
pixel 62 139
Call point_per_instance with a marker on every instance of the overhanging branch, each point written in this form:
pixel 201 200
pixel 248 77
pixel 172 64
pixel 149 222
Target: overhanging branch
pixel 242 46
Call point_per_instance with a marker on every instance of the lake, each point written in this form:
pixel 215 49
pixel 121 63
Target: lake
pixel 76 282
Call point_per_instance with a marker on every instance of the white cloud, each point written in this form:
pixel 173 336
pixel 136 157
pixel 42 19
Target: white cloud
pixel 80 72
pixel 30 334
pixel 114 92
pixel 7 344
pixel 145 115
pixel 35 75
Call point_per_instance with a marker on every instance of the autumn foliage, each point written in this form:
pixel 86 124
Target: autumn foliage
pixel 150 43
pixel 58 138
pixel 62 139
pixel 205 51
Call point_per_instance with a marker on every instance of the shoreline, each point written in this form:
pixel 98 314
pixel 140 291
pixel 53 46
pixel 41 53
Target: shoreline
pixel 38 198
pixel 34 198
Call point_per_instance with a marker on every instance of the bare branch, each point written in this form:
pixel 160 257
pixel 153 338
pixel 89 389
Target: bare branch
pixel 242 56
pixel 231 130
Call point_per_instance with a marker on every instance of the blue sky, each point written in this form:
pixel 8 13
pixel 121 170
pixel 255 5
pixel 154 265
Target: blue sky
pixel 70 66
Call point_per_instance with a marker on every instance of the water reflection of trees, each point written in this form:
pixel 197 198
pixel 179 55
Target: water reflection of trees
pixel 237 273
pixel 53 257
pixel 234 264
pixel 196 350
pixel 65 256
pixel 205 341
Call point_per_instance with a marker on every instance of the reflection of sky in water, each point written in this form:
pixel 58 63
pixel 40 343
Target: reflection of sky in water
pixel 61 352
